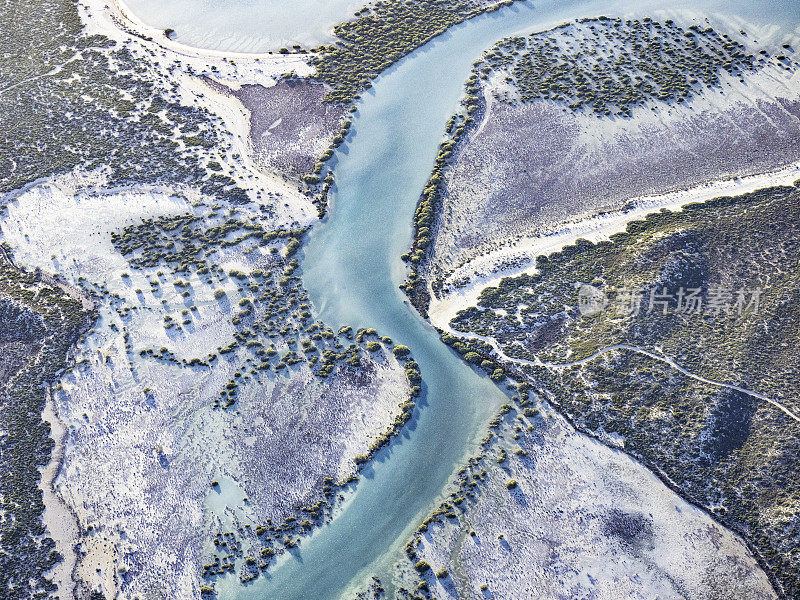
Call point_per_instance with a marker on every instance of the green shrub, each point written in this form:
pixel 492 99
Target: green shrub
pixel 422 566
pixel 400 350
pixel 472 357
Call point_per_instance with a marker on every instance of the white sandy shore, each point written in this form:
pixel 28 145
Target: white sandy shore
pixel 116 17
pixel 488 269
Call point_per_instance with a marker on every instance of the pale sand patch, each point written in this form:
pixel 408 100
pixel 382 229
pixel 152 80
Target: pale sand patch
pixel 57 518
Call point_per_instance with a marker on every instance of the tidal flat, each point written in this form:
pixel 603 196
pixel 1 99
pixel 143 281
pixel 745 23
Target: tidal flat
pixel 524 164
pixel 585 131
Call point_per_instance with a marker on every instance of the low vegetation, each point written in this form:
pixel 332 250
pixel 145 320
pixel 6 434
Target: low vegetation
pixel 41 321
pixel 382 34
pixel 73 98
pixel 600 67
pixel 609 66
pixel 272 539
pixel 724 449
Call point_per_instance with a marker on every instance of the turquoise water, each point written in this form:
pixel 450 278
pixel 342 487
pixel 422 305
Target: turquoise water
pixel 352 271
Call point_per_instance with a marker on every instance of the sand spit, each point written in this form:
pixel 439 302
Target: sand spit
pixel 117 21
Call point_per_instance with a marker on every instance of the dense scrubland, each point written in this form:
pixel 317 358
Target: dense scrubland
pixel 619 63
pixel 78 101
pixel 275 306
pixel 383 33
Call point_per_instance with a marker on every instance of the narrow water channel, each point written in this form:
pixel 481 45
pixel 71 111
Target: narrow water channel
pixel 352 270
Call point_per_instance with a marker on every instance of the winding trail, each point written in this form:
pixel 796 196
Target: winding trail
pixel 54 71
pixel 660 357
pixel 677 367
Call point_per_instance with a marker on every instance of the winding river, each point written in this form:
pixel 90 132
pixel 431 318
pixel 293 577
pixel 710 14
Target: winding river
pixel 352 271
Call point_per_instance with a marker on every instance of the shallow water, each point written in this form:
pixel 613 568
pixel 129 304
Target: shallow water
pixel 245 25
pixel 352 271
pixel 267 25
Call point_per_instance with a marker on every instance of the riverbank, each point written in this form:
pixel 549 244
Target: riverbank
pixel 352 272
pixel 192 374
pixel 507 189
pixel 530 150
